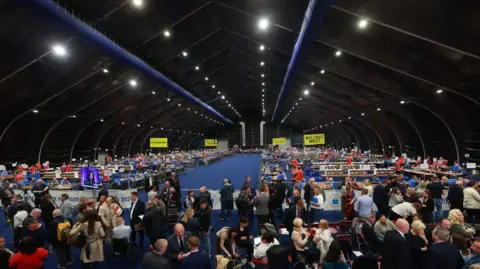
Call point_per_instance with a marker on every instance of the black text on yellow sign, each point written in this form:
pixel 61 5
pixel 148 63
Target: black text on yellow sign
pixel 279 141
pixel 313 139
pixel 211 142
pixel 158 142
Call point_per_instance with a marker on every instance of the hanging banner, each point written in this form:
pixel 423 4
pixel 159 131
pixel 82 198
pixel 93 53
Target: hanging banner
pixel 211 142
pixel 313 139
pixel 158 142
pixel 279 141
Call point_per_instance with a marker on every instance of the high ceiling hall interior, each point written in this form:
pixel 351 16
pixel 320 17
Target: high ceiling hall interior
pixel 77 76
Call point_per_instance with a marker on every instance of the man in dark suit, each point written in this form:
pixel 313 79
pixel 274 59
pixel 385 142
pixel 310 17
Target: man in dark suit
pixel 195 259
pixel 177 246
pixel 380 198
pixel 154 223
pixel 156 258
pixel 370 236
pixel 396 251
pixel 442 254
pixel 455 195
pixel 136 210
pixel 149 182
pixel 18 204
pixel 308 192
pixel 295 211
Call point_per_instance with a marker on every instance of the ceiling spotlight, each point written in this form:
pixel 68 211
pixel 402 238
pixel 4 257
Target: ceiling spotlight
pixel 263 23
pixel 296 104
pixel 168 99
pixel 363 114
pixel 263 75
pixel 338 53
pixel 263 95
pixel 133 83
pixel 184 53
pixel 362 24
pixel 138 125
pixel 123 123
pixel 402 102
pixel 166 33
pixel 101 120
pixel 153 92
pixel 263 83
pixel 223 96
pixel 151 127
pixel 262 63
pixel 206 78
pixel 349 118
pixel 263 90
pixel 229 105
pixel 262 47
pixel 137 3
pixel 59 50
pixel 213 86
pixel 339 120
pixel 35 111
pixel 197 67
pixel 322 71
pixel 439 91
pixel 312 83
pixel 378 109
pixel 218 92
pixel 73 116
pixel 306 92
pixel 179 104
pixel 105 71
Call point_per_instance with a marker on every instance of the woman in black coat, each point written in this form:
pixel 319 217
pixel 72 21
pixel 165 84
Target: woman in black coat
pixel 427 207
pixel 418 244
pixel 47 208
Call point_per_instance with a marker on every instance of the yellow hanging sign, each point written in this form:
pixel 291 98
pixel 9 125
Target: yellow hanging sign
pixel 279 141
pixel 158 142
pixel 210 142
pixel 313 139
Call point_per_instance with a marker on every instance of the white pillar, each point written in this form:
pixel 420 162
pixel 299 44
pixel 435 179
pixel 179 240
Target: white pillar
pixel 261 132
pixel 244 138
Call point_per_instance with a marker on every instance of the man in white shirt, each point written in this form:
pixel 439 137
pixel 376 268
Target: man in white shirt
pixel 121 231
pixel 18 222
pixel 260 252
pixel 404 210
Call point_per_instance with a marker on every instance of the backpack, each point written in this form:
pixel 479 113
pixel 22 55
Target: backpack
pixel 242 200
pixel 63 230
pixel 77 240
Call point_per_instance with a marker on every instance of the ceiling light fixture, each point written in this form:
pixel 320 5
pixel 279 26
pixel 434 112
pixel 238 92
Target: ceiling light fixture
pixel 35 111
pixel 168 99
pixel 197 67
pixel 362 24
pixel 223 96
pixel 363 114
pixel 439 91
pixel 101 120
pixel 213 86
pixel 306 92
pixel 59 50
pixel 378 109
pixel 153 92
pixel 263 75
pixel 137 3
pixel 184 53
pixel 166 33
pixel 262 47
pixel 312 83
pixel 263 83
pixel 206 78
pixel 338 53
pixel 105 71
pixel 262 63
pixel 322 71
pixel 263 24
pixel 402 102
pixel 133 83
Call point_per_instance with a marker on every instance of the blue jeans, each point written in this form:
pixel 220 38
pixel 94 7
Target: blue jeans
pixel 226 209
pixel 205 237
pixel 316 215
pixel 438 206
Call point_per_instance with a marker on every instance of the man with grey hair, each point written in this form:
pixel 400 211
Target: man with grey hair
pixel 66 206
pixel 226 198
pixel 62 249
pixel 34 215
pixel 156 258
pixel 442 254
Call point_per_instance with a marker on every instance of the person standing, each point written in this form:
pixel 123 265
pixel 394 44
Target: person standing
pixel 58 241
pixel 281 190
pixel 427 207
pixel 261 205
pixel 243 202
pixel 317 204
pixel 92 228
pixel 66 207
pixel 455 195
pixel 137 209
pixel 157 258
pixel 380 198
pixel 295 211
pixel 204 195
pixel 226 198
pixel 177 246
pixel 396 251
pixel 436 188
pixel 418 244
pixel 47 207
pixel 370 236
pixel 39 191
pixel 348 199
pixel 308 194
pixel 471 202
pixel 204 218
pixel 364 205
pixel 195 259
pixel 6 196
pixel 442 254
pixel 154 223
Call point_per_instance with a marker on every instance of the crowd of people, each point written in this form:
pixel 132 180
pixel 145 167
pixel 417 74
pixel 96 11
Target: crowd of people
pixel 401 233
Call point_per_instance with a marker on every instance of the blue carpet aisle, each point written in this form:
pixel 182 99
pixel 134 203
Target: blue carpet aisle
pixel 236 168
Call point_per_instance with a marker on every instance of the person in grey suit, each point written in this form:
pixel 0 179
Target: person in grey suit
pixel 177 246
pixel 156 258
pixel 261 204
pixel 226 197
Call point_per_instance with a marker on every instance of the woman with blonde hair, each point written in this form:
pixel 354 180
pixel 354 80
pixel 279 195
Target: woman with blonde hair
pixel 300 241
pixel 418 244
pixel 191 224
pixel 105 212
pixel 117 209
pixel 458 224
pixel 323 238
pixel 367 185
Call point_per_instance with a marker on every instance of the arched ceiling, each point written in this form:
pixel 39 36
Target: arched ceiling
pixel 408 79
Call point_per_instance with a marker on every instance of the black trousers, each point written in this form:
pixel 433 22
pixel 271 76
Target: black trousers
pixel 133 236
pixel 456 205
pixel 248 245
pixel 471 213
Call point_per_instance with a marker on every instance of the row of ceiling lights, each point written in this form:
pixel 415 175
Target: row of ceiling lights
pixel 326 125
pixel 263 25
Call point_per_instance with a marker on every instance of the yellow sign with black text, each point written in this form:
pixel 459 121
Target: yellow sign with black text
pixel 313 139
pixel 158 142
pixel 279 141
pixel 210 142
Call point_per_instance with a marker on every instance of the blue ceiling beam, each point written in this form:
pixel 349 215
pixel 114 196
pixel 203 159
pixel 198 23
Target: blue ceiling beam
pixel 314 16
pixel 86 32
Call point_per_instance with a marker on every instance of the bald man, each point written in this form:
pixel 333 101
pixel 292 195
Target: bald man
pixel 396 251
pixel 156 258
pixel 177 246
pixel 204 195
